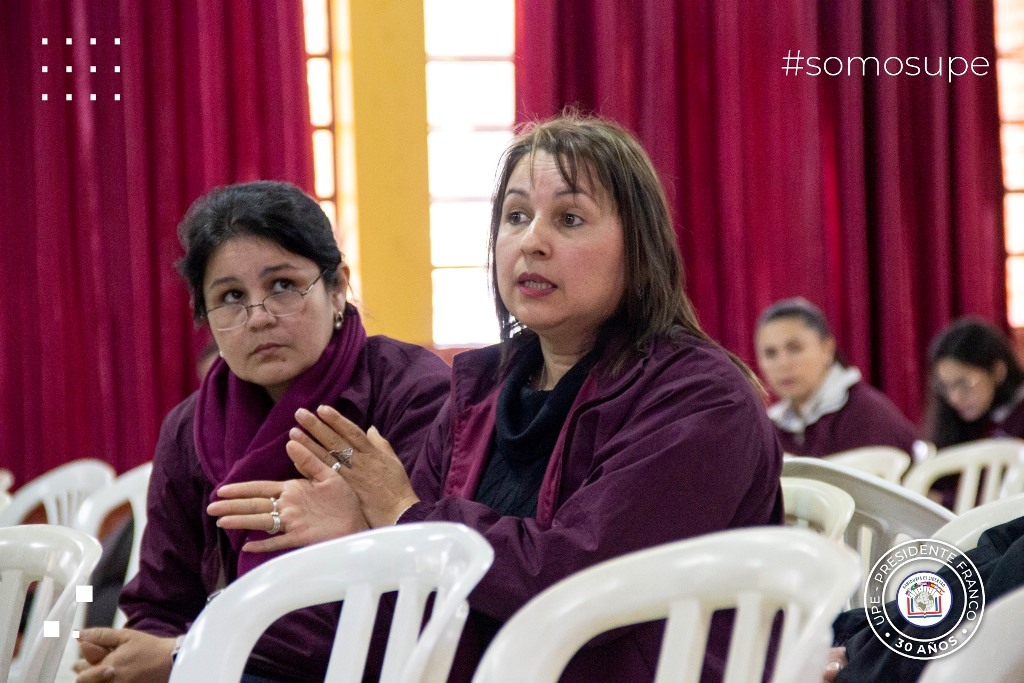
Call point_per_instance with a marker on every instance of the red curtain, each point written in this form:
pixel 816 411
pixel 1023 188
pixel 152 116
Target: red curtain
pixel 878 197
pixel 96 336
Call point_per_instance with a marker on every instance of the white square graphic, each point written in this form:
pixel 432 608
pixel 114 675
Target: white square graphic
pixel 67 42
pixel 67 69
pixel 92 41
pixel 117 41
pixel 45 68
pixel 83 593
pixel 45 97
pixel 92 96
pixel 44 41
pixel 117 97
pixel 51 629
pixel 117 69
pixel 68 97
pixel 92 69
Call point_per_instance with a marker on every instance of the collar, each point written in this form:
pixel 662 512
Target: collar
pixel 830 397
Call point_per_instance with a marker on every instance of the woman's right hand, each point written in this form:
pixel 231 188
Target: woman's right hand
pixel 123 655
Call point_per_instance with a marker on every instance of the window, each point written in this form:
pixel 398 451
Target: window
pixel 470 115
pixel 1009 17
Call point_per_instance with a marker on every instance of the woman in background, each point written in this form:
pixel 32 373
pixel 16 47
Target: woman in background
pixel 826 407
pixel 977 388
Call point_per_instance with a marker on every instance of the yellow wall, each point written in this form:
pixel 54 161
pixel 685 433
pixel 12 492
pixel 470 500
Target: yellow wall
pixel 392 194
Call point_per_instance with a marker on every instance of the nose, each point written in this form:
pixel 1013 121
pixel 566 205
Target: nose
pixel 534 240
pixel 259 317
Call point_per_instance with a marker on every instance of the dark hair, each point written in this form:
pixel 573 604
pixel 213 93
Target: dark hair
pixel 971 341
pixel 277 211
pixel 606 156
pixel 804 311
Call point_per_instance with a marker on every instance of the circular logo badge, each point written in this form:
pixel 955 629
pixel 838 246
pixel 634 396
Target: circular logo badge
pixel 924 599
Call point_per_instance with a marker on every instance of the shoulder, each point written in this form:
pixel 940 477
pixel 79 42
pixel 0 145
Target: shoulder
pixel 869 401
pixel 690 363
pixel 177 424
pixel 392 350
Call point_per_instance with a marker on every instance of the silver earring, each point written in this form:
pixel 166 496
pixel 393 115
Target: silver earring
pixel 339 319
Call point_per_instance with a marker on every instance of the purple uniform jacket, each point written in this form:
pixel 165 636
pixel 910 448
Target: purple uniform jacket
pixel 185 557
pixel 678 445
pixel 869 418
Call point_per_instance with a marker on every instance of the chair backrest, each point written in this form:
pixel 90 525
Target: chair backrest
pixel 986 464
pixel 757 571
pixel 5 500
pixel 57 559
pixel 60 491
pixel 993 654
pixel 886 462
pixel 885 513
pixel 130 488
pixel 414 559
pixel 816 505
pixel 6 479
pixel 964 531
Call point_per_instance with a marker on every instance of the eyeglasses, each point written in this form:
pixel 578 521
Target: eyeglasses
pixel 278 304
pixel 960 386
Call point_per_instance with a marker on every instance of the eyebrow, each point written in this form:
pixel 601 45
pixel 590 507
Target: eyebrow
pixel 269 270
pixel 560 193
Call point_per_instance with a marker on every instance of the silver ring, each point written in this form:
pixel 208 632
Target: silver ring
pixel 336 466
pixel 276 517
pixel 273 502
pixel 343 456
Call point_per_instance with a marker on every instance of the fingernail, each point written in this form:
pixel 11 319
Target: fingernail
pixel 372 430
pixel 323 410
pixel 832 666
pixel 302 412
pixel 295 433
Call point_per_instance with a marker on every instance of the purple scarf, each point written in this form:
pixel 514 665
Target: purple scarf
pixel 240 433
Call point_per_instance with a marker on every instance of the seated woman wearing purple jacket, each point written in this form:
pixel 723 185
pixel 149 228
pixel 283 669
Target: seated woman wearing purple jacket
pixel 977 386
pixel 606 421
pixel 826 407
pixel 267 277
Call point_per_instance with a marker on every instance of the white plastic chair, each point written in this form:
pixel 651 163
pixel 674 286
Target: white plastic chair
pixel 964 531
pixel 129 488
pixel 6 479
pixel 886 514
pixel 816 505
pixel 758 571
pixel 886 462
pixel 5 500
pixel 993 654
pixel 60 491
pixel 59 559
pixel 1001 460
pixel 414 559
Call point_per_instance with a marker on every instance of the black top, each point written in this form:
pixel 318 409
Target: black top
pixel 528 423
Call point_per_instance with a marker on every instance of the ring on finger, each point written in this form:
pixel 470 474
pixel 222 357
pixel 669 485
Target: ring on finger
pixel 343 456
pixel 275 517
pixel 273 504
pixel 336 466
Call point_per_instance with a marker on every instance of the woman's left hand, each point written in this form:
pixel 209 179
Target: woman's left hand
pixel 374 471
pixel 311 510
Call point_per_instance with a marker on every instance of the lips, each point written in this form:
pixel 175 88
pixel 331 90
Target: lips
pixel 531 284
pixel 264 348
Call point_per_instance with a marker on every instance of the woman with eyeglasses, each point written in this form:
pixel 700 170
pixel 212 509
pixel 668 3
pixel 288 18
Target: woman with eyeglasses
pixel 267 278
pixel 825 407
pixel 977 388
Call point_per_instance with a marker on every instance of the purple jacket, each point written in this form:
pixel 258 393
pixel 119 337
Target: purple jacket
pixel 185 557
pixel 678 445
pixel 869 418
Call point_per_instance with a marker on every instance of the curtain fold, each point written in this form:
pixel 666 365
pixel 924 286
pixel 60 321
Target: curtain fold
pixel 96 336
pixel 877 197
